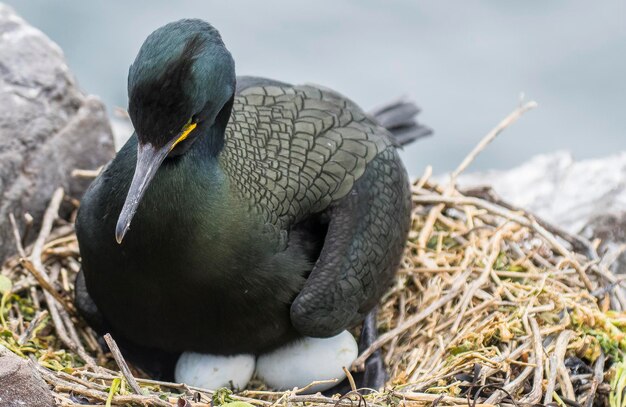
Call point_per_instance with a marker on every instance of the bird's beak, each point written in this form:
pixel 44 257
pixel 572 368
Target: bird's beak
pixel 149 159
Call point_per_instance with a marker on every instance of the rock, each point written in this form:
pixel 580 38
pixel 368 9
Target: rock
pixel 559 189
pixel 20 384
pixel 214 371
pixel 587 196
pixel 47 126
pixel 308 360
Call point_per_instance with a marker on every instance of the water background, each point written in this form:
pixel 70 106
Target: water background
pixel 465 62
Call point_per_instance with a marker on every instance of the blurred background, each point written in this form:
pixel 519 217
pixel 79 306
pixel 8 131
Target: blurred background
pixel 467 64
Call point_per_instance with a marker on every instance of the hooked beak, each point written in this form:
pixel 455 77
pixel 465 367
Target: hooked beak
pixel 149 160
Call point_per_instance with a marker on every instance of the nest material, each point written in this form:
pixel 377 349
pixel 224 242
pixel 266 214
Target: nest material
pixel 490 306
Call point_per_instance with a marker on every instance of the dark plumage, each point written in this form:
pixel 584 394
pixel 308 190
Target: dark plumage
pixel 260 211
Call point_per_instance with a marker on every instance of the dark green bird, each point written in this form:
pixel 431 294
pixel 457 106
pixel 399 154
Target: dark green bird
pixel 243 213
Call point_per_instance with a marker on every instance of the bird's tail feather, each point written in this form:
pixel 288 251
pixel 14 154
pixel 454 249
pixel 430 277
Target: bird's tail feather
pixel 400 118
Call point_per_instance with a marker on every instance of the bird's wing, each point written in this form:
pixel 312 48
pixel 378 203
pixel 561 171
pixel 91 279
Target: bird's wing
pixel 293 150
pixel 361 253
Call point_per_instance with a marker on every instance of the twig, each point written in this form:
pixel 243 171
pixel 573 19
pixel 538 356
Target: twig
pixel 401 316
pixel 429 398
pixel 419 184
pixel 535 394
pixel 34 323
pixel 80 349
pixel 415 319
pixel 313 384
pixel 350 378
pixel 511 387
pixel 150 400
pixel 506 122
pixel 121 363
pixel 480 203
pixel 598 377
pixel 556 359
pixel 16 236
pixel 77 173
pixel 49 217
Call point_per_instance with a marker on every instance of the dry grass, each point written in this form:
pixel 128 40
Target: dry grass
pixel 490 306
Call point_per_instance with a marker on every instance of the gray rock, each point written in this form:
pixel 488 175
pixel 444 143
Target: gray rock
pixel 48 127
pixel 20 384
pixel 561 190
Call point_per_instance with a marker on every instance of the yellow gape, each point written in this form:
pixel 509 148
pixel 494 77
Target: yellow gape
pixel 188 128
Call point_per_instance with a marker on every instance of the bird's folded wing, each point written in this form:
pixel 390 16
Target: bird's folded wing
pixel 292 151
pixel 362 249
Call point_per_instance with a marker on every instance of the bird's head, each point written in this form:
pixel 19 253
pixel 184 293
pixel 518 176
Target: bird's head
pixel 181 84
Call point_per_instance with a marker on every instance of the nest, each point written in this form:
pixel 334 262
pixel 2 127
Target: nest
pixel 491 306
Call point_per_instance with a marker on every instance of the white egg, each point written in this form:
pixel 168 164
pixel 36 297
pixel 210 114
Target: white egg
pixel 214 371
pixel 308 360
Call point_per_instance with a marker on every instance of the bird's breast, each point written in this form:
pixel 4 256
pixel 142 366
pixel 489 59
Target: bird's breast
pixel 194 256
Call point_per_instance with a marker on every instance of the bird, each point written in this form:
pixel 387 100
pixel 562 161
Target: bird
pixel 243 213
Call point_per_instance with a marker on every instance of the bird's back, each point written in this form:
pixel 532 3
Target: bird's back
pixel 292 151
